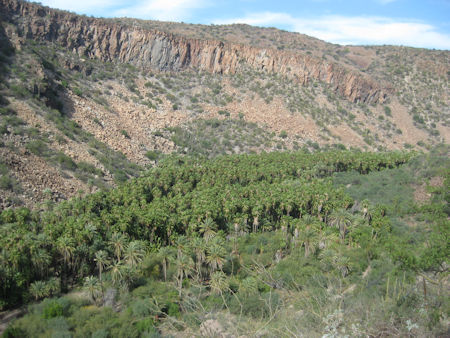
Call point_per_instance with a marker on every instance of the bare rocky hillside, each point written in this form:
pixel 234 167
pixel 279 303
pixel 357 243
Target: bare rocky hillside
pixel 87 103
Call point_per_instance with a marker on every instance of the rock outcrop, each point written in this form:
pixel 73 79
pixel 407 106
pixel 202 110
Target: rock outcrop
pixel 109 41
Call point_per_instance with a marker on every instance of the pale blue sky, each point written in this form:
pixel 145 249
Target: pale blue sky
pixel 417 23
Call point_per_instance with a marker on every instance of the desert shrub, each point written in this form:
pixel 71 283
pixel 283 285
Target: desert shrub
pixel 120 176
pixel 419 119
pixel 37 147
pixel 102 333
pixel 146 325
pixel 13 332
pixel 296 272
pixel 387 111
pixel 396 193
pixel 19 91
pixel 89 168
pixel 6 182
pixel 59 327
pixel 13 121
pixel 86 321
pixel 52 309
pixel 6 111
pixel 125 133
pixel 77 91
pixel 3 128
pixel 65 161
pixel 224 113
pixel 256 305
pixel 153 155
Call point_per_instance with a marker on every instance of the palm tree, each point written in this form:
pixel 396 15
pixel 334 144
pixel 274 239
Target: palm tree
pixel 116 272
pixel 215 256
pixel 118 242
pixel 309 219
pixel 342 263
pixel 41 259
pixel 39 289
pixel 91 285
pixel 326 238
pixel 128 275
pixel 326 258
pixel 182 245
pixel 198 246
pixel 53 286
pixel 219 284
pixel 309 239
pixel 184 267
pixel 365 209
pixel 208 228
pixel 336 259
pixel 101 257
pixel 248 286
pixel 256 214
pixel 166 253
pixel 341 219
pixel 65 246
pixel 91 230
pixel 134 253
pixel 357 221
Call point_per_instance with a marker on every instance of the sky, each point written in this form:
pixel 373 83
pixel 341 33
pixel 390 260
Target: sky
pixel 416 23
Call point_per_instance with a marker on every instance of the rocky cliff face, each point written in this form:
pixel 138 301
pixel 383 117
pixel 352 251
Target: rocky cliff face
pixel 109 41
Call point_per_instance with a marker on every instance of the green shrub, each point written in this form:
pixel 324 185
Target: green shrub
pixel 6 182
pixel 60 139
pixel 147 326
pixel 3 129
pixel 102 333
pixel 120 176
pixel 387 111
pixel 77 91
pixel 153 155
pixel 125 133
pixel 97 121
pixel 13 332
pixel 20 91
pixel 65 161
pixel 5 111
pixel 419 119
pixel 52 309
pixel 256 305
pixel 173 310
pixel 89 168
pixel 14 121
pixel 224 113
pixel 37 147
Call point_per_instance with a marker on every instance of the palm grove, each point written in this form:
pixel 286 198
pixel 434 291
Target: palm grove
pixel 231 234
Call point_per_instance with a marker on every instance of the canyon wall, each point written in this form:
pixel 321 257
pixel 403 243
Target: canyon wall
pixel 109 41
